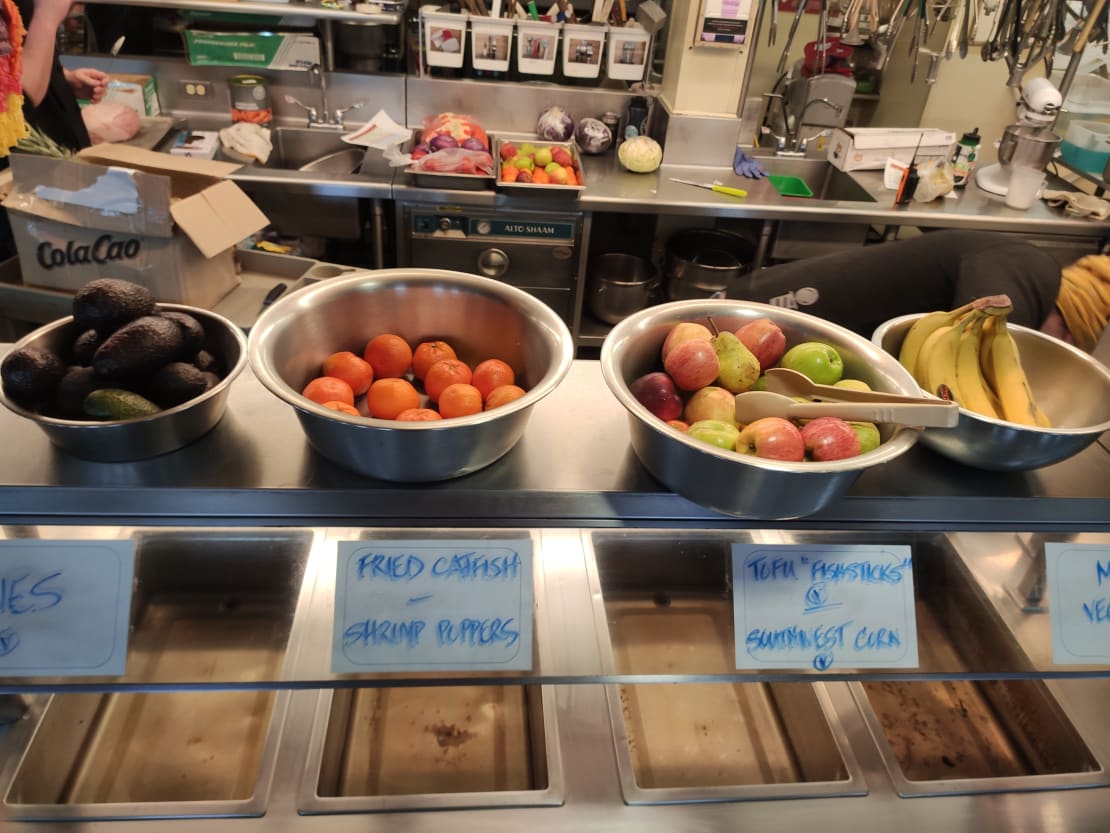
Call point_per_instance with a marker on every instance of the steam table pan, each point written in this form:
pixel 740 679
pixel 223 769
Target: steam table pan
pixel 207 607
pixel 716 741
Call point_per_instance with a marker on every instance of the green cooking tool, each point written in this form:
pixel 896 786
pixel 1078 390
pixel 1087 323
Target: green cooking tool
pixel 720 189
pixel 789 186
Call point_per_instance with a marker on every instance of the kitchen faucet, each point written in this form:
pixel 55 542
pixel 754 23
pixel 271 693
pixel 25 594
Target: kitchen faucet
pixel 791 144
pixel 323 117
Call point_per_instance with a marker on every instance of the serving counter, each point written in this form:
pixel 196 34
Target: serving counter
pixel 633 715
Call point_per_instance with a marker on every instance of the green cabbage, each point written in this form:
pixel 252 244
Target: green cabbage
pixel 640 154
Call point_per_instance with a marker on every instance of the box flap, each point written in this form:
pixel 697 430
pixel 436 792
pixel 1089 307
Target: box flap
pixel 218 217
pixel 91 196
pixel 154 162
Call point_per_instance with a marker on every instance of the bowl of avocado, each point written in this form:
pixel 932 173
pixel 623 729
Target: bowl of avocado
pixel 124 378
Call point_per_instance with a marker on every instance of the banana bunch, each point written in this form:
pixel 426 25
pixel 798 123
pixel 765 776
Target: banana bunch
pixel 967 354
pixel 1084 299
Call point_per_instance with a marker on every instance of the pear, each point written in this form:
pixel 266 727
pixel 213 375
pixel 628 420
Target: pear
pixel 739 366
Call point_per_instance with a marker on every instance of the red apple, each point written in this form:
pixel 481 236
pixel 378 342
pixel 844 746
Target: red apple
pixel 765 339
pixel 774 438
pixel 656 392
pixel 682 332
pixel 692 364
pixel 830 438
pixel 711 402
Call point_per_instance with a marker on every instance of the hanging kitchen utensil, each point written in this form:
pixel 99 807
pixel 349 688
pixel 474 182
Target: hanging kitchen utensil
pixel 713 186
pixel 790 36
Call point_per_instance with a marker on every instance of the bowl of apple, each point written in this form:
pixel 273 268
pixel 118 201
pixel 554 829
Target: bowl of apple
pixel 678 369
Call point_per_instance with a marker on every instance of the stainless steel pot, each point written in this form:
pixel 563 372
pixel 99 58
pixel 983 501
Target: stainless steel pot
pixel 1027 146
pixel 703 263
pixel 621 285
pixel 362 46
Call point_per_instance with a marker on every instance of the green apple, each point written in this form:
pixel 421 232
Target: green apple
pixel 853 384
pixel 523 162
pixel 715 432
pixel 817 360
pixel 868 433
pixel 543 157
pixel 527 149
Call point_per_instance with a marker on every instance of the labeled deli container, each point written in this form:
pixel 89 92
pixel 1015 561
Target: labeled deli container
pixel 541 187
pixel 491 41
pixel 444 36
pixel 537 47
pixel 628 52
pixel 582 49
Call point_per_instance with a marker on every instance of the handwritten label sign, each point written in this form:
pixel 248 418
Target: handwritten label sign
pixel 1079 589
pixel 433 605
pixel 823 606
pixel 65 607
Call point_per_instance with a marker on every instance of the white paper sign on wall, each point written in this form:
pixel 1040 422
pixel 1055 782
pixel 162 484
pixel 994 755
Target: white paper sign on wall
pixel 823 606
pixel 65 607
pixel 433 605
pixel 1079 602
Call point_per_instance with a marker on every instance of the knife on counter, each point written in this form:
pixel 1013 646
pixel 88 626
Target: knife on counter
pixel 713 186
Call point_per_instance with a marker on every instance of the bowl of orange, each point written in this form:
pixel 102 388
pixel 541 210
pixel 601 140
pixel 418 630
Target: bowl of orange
pixel 411 375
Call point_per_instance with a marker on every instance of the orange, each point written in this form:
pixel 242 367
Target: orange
pixel 509 172
pixel 329 389
pixel 459 400
pixel 418 415
pixel 342 407
pixel 389 397
pixel 540 177
pixel 490 374
pixel 428 353
pixel 389 355
pixel 351 369
pixel 503 396
pixel 443 373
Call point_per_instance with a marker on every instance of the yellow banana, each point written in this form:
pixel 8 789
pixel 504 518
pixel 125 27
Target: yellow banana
pixel 918 370
pixel 940 363
pixel 1010 382
pixel 922 328
pixel 990 329
pixel 969 376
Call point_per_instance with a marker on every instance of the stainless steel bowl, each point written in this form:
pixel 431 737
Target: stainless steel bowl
pixel 137 439
pixel 725 481
pixel 1072 387
pixel 481 318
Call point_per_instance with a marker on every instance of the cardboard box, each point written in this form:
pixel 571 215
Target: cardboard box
pixel 166 222
pixel 136 91
pixel 265 50
pixel 868 148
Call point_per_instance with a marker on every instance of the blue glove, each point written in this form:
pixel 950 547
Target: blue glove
pixel 744 165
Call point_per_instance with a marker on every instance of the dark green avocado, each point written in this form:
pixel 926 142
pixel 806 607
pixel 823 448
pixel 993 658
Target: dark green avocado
pixel 30 374
pixel 115 403
pixel 190 328
pixel 139 347
pixel 84 347
pixel 108 303
pixel 70 394
pixel 176 383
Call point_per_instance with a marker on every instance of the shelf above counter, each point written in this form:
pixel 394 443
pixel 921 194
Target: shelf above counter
pixel 313 8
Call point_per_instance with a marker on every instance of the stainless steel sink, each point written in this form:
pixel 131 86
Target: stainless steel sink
pixel 824 180
pixel 313 149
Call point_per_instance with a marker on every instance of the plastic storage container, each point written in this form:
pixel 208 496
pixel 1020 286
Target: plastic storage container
pixel 491 42
pixel 1086 146
pixel 1088 99
pixel 582 48
pixel 444 37
pixel 628 53
pixel 537 47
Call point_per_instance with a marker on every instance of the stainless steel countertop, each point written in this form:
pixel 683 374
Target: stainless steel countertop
pixel 256 467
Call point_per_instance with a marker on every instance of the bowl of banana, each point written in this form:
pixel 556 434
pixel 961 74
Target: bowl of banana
pixel 1016 386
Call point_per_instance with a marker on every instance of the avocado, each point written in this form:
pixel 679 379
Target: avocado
pixel 139 347
pixel 175 383
pixel 190 328
pixel 70 394
pixel 108 303
pixel 30 375
pixel 84 346
pixel 116 403
pixel 207 362
pixel 211 378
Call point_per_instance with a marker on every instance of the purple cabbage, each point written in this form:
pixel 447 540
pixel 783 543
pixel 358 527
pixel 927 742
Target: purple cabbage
pixel 442 141
pixel 555 124
pixel 593 136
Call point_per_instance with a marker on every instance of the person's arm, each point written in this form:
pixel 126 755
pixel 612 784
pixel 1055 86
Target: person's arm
pixel 38 47
pixel 87 83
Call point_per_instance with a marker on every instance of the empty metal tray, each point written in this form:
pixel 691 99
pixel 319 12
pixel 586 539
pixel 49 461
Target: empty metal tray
pixel 432 748
pixel 666 601
pixel 970 736
pixel 207 607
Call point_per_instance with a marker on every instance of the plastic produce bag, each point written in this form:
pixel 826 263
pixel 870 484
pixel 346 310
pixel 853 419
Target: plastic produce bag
pixel 935 179
pixel 455 161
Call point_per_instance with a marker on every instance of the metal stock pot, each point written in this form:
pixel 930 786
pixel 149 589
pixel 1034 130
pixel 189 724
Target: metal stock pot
pixel 703 263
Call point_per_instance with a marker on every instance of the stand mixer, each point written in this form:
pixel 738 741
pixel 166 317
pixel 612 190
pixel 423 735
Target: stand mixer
pixel 1029 142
